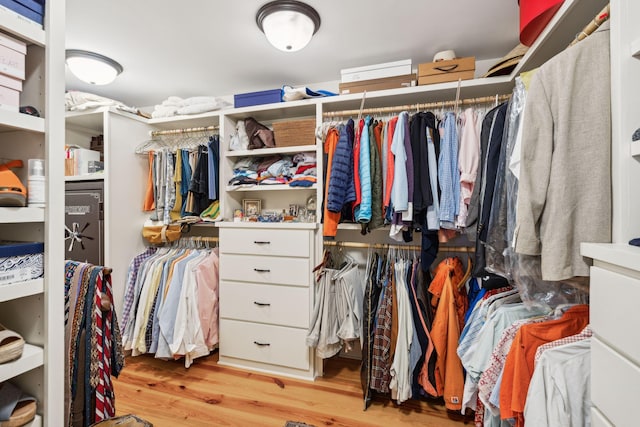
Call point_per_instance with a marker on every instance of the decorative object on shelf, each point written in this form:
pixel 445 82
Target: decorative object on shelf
pixel 288 24
pixel 251 207
pixel 311 204
pixel 12 192
pixel 293 210
pixel 636 135
pixel 91 67
pixel 635 242
pixel 238 215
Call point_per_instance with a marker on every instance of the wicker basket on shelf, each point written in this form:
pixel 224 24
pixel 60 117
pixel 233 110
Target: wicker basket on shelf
pixel 295 132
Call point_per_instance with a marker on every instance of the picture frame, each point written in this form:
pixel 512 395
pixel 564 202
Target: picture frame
pixel 251 207
pixel 293 210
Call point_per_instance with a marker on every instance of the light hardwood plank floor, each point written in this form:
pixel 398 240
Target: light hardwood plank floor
pixel 207 394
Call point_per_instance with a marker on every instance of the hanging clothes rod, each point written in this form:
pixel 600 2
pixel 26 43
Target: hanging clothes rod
pixel 155 133
pixel 199 239
pixel 416 107
pixel 465 249
pixel 593 25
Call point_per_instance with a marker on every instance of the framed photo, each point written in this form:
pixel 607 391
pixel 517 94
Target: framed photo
pixel 293 210
pixel 251 207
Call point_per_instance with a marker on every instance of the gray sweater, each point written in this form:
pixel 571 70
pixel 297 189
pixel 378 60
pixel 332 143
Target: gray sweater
pixel 565 181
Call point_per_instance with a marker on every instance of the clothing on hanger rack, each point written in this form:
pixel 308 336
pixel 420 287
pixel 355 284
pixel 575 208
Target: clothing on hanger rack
pixel 171 301
pixel 93 345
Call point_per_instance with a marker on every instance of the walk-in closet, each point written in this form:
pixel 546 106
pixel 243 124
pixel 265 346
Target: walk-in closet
pixel 308 213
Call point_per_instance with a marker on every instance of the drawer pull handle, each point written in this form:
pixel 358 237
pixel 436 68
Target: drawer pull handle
pixel 262 304
pixel 259 242
pixel 261 270
pixel 261 344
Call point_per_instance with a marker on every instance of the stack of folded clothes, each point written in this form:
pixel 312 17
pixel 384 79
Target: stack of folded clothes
pixel 298 171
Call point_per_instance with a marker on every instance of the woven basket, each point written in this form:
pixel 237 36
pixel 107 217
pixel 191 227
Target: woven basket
pixel 295 132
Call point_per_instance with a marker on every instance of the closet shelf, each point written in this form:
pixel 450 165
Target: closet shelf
pixel 89 177
pixel 275 187
pixel 277 225
pixel 635 48
pixel 559 33
pixel 195 120
pixel 271 151
pixel 620 254
pixel 635 148
pixel 277 110
pixel 27 288
pixel 21 27
pixel 12 121
pixel 32 357
pixel 21 215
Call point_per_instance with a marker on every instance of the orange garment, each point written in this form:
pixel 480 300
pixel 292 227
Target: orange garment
pixel 331 219
pixel 356 165
pixel 445 332
pixel 390 163
pixel 519 364
pixel 149 202
pixel 377 131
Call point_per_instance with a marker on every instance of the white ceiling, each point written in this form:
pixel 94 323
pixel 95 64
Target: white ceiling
pixel 213 47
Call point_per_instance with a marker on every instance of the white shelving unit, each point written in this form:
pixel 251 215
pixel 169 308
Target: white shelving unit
pixel 35 308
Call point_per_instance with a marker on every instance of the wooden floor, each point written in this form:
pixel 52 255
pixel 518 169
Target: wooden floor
pixel 207 394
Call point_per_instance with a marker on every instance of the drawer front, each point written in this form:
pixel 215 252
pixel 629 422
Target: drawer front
pixel 615 384
pixel 614 310
pixel 278 305
pixel 274 270
pixel 275 345
pixel 293 243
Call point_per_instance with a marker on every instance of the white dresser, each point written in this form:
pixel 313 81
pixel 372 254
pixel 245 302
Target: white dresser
pixel 614 318
pixel 266 296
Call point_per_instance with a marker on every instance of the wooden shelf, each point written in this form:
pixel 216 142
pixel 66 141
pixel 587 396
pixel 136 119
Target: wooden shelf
pixel 32 357
pixel 20 215
pixel 17 290
pixel 271 151
pixel 275 187
pixel 12 121
pixel 570 19
pixel 21 27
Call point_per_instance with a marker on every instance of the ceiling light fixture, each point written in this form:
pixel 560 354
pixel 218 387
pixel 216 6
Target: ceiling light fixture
pixel 92 67
pixel 288 24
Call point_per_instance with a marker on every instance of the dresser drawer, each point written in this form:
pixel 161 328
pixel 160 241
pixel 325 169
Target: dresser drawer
pixel 275 345
pixel 278 305
pixel 615 384
pixel 613 299
pixel 264 269
pixel 293 243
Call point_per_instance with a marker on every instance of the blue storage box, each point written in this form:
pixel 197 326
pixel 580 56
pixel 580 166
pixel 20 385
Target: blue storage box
pixel 20 8
pixel 257 98
pixel 36 5
pixel 20 261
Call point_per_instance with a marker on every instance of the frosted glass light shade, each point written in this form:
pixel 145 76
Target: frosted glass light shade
pixel 92 68
pixel 288 25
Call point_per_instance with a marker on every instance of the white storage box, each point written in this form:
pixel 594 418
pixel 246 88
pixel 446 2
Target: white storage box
pixel 12 56
pixel 20 261
pixel 376 71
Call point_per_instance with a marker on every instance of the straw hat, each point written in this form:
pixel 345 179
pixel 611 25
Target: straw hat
pixel 507 63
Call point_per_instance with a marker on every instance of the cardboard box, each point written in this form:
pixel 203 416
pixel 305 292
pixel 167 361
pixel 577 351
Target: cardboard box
pixel 9 99
pixel 378 84
pixel 257 98
pixel 12 57
pixel 376 71
pixel 447 71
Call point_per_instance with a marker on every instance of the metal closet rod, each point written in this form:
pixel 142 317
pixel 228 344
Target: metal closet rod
pixel 416 107
pixel 466 249
pixel 198 239
pixel 155 133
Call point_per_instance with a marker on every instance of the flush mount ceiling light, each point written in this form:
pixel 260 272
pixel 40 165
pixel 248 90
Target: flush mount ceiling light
pixel 288 24
pixel 92 67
